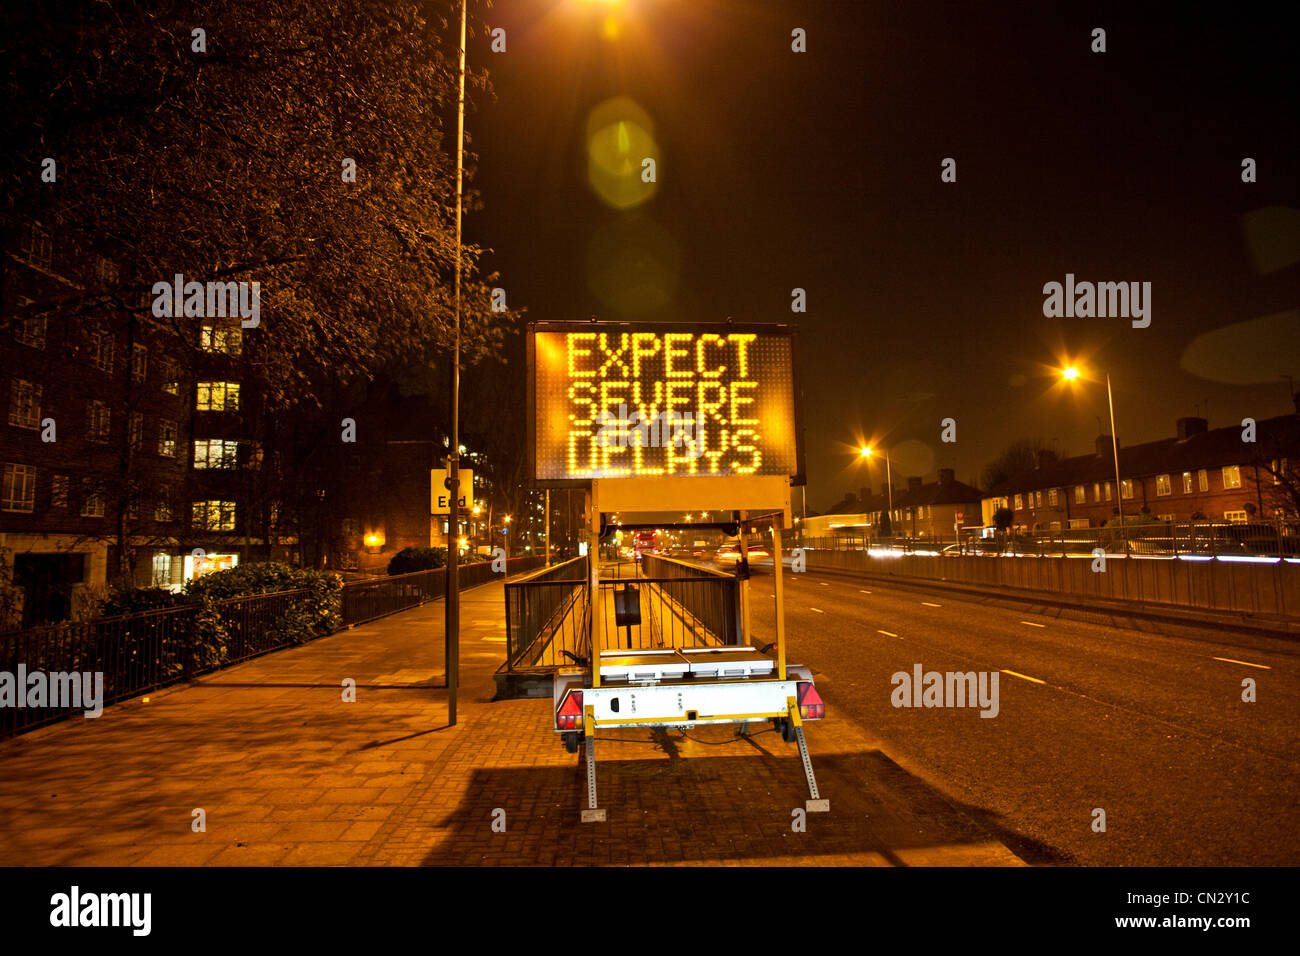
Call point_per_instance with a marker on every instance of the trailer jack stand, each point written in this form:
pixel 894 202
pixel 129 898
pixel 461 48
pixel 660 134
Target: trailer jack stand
pixel 592 814
pixel 817 804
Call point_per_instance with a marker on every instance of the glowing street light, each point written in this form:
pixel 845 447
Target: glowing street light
pixel 1070 373
pixel 866 452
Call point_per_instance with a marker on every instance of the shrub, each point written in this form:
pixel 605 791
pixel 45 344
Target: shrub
pixel 136 600
pixel 417 559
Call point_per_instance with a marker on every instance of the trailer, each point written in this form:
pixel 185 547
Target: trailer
pixel 672 425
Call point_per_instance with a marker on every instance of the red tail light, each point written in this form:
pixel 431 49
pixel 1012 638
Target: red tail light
pixel 810 702
pixel 569 716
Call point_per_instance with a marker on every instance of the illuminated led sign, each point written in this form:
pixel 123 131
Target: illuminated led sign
pixel 616 401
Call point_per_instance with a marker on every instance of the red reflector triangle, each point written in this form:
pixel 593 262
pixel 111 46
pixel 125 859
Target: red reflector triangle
pixel 808 695
pixel 571 706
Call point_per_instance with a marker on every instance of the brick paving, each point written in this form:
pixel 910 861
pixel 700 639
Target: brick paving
pixel 288 773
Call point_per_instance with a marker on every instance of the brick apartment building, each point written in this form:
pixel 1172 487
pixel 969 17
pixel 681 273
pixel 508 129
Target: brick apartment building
pixel 1201 474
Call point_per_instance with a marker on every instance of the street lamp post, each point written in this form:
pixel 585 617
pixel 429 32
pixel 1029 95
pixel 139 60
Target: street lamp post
pixel 867 452
pixel 1070 374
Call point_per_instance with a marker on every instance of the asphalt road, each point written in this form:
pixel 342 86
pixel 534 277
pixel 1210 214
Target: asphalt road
pixel 1148 726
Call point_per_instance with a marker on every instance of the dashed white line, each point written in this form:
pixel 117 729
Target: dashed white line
pixel 1023 676
pixel 931 604
pixel 817 609
pixel 887 633
pixel 862 591
pixel 1263 667
pixel 1032 624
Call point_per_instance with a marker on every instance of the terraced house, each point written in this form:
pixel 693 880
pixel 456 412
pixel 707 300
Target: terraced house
pixel 1201 474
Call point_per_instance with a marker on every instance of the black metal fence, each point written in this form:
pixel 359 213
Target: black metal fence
pixel 700 606
pixel 116 658
pixel 546 614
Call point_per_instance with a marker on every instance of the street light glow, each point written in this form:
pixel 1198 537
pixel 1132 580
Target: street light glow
pixel 865 452
pixel 1070 374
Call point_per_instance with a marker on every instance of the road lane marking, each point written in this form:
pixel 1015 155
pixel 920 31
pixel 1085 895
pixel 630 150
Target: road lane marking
pixel 887 633
pixel 931 604
pixel 1263 667
pixel 1023 676
pixel 823 584
pixel 817 609
pixel 861 591
pixel 1032 624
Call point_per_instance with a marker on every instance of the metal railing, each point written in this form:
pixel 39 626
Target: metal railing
pixel 139 652
pixel 702 606
pixel 545 614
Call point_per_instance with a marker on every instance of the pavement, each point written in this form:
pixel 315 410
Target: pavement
pixel 281 770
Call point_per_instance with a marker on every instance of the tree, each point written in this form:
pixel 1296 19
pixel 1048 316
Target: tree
pixel 1020 456
pixel 1002 519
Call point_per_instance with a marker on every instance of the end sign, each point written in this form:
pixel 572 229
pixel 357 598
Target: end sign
pixel 440 497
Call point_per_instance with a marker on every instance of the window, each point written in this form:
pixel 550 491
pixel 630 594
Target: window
pixel 1051 497
pixel 221 338
pixel 139 363
pixel 218 397
pixel 169 375
pixel 167 438
pixel 101 351
pixel 162 510
pixel 36 245
pixel 30 331
pixel 1108 491
pixel 92 502
pixel 135 429
pixel 1231 476
pixel 97 421
pixel 214 515
pixel 1239 516
pixel 24 404
pixel 1038 497
pixel 162 569
pixel 1126 487
pixel 1054 526
pixel 59 491
pixel 1163 487
pixel 1170 518
pixel 1096 491
pixel 1187 482
pixel 1019 502
pixel 1078 522
pixel 1080 495
pixel 19 488
pixel 215 453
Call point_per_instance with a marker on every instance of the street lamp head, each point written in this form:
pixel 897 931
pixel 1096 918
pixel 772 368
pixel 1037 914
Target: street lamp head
pixel 1070 373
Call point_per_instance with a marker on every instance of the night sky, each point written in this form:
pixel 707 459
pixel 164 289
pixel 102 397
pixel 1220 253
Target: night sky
pixel 821 171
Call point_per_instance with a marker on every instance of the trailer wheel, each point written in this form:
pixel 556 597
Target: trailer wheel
pixel 571 742
pixel 786 728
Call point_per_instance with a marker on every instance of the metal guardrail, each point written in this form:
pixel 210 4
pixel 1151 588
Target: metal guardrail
pixel 709 599
pixel 546 611
pixel 140 652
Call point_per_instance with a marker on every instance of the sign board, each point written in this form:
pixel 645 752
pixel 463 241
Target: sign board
pixel 614 400
pixel 440 497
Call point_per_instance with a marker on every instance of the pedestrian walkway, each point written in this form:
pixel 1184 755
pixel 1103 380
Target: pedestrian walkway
pixel 282 770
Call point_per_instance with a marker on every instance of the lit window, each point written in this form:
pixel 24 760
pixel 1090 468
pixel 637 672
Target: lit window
pixel 217 396
pixel 1080 495
pixel 220 338
pixel 1187 482
pixel 1096 491
pixel 167 438
pixel 1109 491
pixel 1038 498
pixel 1126 487
pixel 1019 502
pixel 19 488
pixel 1169 518
pixel 1078 522
pixel 214 515
pixel 1203 479
pixel 215 453
pixel 24 404
pixel 97 421
pixel 1231 476
pixel 1051 497
pixel 162 569
pixel 1238 516
pixel 1163 486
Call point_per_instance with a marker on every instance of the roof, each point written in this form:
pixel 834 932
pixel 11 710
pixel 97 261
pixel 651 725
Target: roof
pixel 1210 449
